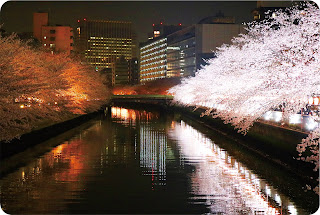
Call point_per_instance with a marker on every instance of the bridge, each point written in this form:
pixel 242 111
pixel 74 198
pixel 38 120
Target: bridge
pixel 142 99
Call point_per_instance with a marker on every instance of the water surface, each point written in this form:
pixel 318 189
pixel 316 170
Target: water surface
pixel 142 161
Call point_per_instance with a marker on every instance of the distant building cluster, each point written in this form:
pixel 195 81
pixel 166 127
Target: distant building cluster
pixel 180 51
pixel 171 50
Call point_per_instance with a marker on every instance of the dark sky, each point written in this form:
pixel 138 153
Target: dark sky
pixel 16 16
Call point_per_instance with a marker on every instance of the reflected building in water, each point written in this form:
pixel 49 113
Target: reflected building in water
pixel 152 142
pixel 103 157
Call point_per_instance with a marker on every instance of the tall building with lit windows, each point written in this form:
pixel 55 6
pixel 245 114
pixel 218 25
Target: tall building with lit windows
pixel 181 53
pixel 103 42
pixel 153 60
pixel 153 53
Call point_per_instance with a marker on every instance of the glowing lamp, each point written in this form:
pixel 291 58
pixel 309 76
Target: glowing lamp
pixel 160 23
pixel 310 101
pixel 316 101
pixel 152 24
pixel 180 24
pixel 84 19
pixel 78 20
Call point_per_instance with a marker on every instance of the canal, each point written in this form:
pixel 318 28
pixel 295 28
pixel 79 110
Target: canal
pixel 148 161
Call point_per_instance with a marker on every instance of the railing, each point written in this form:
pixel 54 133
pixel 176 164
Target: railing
pixel 145 99
pixel 156 97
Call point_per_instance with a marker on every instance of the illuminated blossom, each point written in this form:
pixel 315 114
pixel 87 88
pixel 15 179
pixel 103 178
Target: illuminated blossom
pixel 276 63
pixel 38 88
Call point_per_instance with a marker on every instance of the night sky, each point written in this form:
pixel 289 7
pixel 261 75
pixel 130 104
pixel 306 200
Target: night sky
pixel 17 16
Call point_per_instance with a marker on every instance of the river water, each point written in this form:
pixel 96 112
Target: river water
pixel 147 161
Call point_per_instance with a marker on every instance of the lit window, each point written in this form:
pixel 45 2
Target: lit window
pixel 44 44
pixel 44 37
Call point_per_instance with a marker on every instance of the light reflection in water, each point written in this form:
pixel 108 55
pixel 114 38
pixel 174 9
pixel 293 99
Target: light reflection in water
pixel 226 185
pixel 61 176
pixel 130 116
pixel 43 185
pixel 153 153
pixel 153 142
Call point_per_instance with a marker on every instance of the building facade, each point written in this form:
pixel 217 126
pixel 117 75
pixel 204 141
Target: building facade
pixel 182 53
pixel 134 66
pixel 39 20
pixel 120 72
pixel 153 60
pixel 153 53
pixel 57 38
pixel 54 38
pixel 103 42
pixel 189 48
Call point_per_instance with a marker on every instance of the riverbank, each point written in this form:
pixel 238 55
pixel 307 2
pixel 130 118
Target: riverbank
pixel 38 136
pixel 277 144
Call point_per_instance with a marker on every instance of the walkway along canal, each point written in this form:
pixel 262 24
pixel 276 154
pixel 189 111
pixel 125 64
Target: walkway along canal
pixel 148 160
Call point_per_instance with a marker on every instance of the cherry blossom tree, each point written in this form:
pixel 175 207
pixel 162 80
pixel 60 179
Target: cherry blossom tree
pixel 36 87
pixel 277 62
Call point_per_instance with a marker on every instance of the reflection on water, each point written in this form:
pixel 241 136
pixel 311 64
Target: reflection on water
pixel 130 116
pixel 153 142
pixel 153 153
pixel 140 162
pixel 227 185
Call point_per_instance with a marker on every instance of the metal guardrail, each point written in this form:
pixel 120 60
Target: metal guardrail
pixel 145 97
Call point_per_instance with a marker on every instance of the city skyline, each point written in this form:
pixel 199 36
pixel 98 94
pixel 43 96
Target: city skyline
pixel 17 16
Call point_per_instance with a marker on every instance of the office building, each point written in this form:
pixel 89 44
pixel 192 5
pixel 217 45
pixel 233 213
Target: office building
pixel 134 71
pixel 103 42
pixel 181 53
pixel 153 53
pixel 56 38
pixel 120 72
pixel 189 48
pixel 163 30
pixel 153 60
